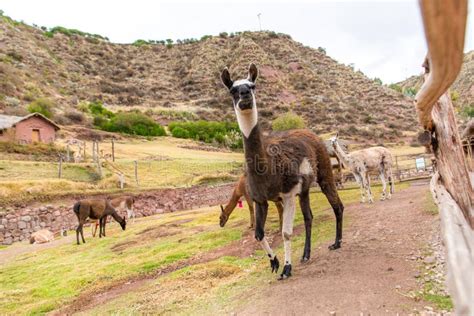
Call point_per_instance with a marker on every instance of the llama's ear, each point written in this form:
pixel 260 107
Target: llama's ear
pixel 222 209
pixel 225 77
pixel 253 72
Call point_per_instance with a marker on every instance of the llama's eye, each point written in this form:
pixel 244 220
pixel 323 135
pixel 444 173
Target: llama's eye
pixel 252 87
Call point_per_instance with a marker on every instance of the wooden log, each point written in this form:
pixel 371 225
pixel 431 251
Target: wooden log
pixel 445 28
pixel 459 242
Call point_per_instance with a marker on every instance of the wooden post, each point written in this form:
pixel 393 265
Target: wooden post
pixel 99 167
pixel 398 169
pixel 121 178
pixel 68 154
pixel 445 28
pixel 60 169
pixel 136 171
pixel 113 150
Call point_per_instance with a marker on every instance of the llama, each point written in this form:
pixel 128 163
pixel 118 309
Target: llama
pixel 239 191
pixel 41 236
pixel 361 162
pixel 97 209
pixel 125 203
pixel 279 167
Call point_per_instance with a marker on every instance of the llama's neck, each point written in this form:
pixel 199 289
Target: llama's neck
pixel 115 215
pixel 342 155
pixel 255 155
pixel 247 120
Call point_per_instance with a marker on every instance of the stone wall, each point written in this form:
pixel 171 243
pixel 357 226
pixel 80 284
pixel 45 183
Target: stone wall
pixel 18 222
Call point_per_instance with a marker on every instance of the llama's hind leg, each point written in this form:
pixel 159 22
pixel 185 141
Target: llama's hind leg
pixel 251 210
pixel 390 182
pixel 260 218
pixel 384 184
pixel 360 182
pixel 308 222
pixel 330 191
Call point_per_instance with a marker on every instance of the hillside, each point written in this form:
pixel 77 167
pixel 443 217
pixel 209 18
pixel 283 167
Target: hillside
pixel 462 91
pixel 181 81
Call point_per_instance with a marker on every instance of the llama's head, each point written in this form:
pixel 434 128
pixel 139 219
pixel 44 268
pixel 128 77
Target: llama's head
pixel 223 217
pixel 243 98
pixel 333 140
pixel 123 223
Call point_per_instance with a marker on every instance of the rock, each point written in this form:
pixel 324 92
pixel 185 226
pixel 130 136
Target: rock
pixel 21 225
pixel 8 241
pixel 26 218
pixel 57 213
pixel 430 259
pixel 428 308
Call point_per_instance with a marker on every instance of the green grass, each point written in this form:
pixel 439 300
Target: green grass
pixel 38 282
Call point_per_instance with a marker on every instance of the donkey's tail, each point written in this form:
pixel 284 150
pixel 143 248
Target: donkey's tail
pixel 77 207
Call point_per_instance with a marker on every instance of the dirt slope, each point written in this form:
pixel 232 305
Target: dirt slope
pixel 182 81
pixel 369 272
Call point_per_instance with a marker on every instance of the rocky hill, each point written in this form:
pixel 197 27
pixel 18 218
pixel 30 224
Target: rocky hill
pixel 181 81
pixel 462 91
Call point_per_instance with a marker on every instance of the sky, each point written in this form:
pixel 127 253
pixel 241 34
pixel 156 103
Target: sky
pixel 383 39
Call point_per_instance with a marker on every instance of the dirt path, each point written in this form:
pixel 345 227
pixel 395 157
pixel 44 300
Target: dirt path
pixel 368 274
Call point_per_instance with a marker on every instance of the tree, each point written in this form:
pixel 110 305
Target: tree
pixel 43 106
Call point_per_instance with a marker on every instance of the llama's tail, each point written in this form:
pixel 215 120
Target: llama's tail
pixel 77 207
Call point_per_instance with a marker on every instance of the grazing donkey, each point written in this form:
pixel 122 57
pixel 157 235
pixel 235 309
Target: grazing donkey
pixel 97 209
pixel 124 203
pixel 239 191
pixel 361 162
pixel 279 167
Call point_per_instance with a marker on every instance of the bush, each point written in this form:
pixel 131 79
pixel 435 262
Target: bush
pixel 140 42
pixel 288 121
pixel 378 81
pixel 454 95
pixel 43 106
pixel 97 108
pixel 468 111
pixel 410 92
pixel 180 132
pixel 223 34
pixel 224 133
pixel 395 87
pixel 134 123
pixel 75 116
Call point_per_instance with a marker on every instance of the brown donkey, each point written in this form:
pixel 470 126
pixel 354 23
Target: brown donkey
pixel 239 191
pixel 97 209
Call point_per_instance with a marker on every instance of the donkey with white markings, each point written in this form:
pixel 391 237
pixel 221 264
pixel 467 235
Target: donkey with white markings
pixel 280 167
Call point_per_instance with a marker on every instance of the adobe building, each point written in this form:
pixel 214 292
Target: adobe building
pixel 32 128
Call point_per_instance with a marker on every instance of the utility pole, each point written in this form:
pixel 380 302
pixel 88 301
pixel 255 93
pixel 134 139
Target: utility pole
pixel 259 21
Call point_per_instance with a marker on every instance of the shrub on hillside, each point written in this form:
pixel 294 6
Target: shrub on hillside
pixel 75 116
pixel 96 108
pixel 134 123
pixel 43 106
pixel 468 111
pixel 288 121
pixel 225 133
pixel 395 87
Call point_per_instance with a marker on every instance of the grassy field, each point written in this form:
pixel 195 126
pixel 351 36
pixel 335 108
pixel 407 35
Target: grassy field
pixel 162 162
pixel 44 280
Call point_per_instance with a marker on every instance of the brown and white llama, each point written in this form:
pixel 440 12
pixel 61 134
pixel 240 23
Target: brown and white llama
pixel 41 236
pixel 280 167
pixel 124 203
pixel 363 161
pixel 95 209
pixel 239 191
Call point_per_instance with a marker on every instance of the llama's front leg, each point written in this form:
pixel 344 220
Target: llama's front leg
pixel 369 191
pixel 288 218
pixel 78 231
pixel 260 218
